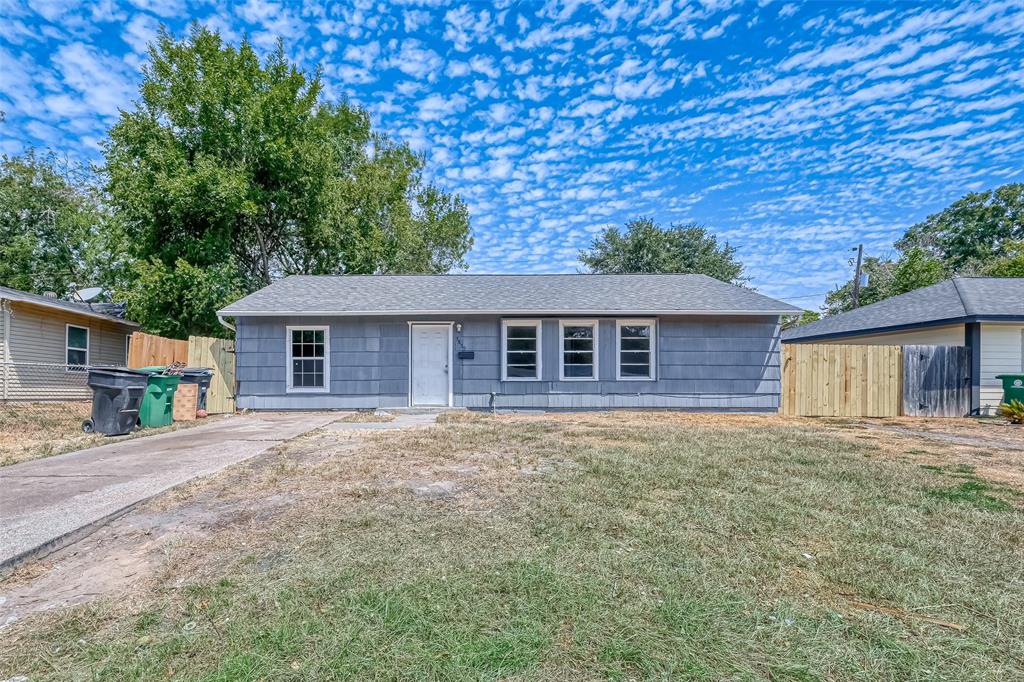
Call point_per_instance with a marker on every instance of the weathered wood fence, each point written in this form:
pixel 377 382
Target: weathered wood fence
pixel 936 381
pixel 826 380
pixel 145 350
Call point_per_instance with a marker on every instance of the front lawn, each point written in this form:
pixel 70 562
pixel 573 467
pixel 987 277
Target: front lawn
pixel 563 547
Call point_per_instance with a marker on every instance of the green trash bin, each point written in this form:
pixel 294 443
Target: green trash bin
pixel 1013 387
pixel 158 401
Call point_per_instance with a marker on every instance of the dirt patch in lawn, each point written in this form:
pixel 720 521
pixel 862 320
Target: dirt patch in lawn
pixel 615 546
pixel 992 448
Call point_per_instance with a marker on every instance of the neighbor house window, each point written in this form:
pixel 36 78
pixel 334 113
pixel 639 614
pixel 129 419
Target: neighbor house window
pixel 635 349
pixel 578 360
pixel 308 366
pixel 76 346
pixel 520 341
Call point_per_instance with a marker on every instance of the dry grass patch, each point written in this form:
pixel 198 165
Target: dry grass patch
pixel 33 430
pixel 617 546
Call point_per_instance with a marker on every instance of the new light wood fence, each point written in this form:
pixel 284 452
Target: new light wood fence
pixel 218 355
pixel 823 380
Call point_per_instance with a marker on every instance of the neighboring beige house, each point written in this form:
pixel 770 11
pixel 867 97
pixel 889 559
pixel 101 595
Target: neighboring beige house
pixel 986 314
pixel 46 342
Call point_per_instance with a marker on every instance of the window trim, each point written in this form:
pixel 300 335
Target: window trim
pixel 504 348
pixel 67 347
pixel 289 388
pixel 593 324
pixel 653 324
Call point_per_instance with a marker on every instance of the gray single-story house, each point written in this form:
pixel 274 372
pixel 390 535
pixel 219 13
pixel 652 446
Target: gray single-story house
pixel 507 342
pixel 46 343
pixel 986 314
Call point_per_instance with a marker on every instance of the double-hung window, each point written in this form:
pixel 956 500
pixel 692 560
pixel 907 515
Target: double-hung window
pixel 76 347
pixel 308 359
pixel 636 352
pixel 520 350
pixel 578 355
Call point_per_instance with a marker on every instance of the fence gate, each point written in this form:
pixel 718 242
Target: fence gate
pixel 825 380
pixel 936 381
pixel 218 354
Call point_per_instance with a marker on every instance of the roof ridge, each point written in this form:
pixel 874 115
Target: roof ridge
pixel 959 294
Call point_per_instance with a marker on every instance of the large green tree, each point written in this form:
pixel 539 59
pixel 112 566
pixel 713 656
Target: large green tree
pixel 645 246
pixel 239 170
pixel 972 231
pixel 980 234
pixel 51 225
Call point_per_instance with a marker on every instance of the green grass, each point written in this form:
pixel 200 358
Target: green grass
pixel 660 548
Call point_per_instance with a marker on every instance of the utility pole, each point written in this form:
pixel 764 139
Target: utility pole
pixel 856 277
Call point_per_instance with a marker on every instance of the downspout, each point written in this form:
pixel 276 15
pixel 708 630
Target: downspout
pixel 223 323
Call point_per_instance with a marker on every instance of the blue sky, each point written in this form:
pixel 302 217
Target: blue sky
pixel 794 130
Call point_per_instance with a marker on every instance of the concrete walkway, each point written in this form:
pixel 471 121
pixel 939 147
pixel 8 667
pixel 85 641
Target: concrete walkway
pixel 48 503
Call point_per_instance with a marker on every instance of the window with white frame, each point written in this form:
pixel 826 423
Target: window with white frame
pixel 520 356
pixel 76 346
pixel 578 359
pixel 635 349
pixel 308 367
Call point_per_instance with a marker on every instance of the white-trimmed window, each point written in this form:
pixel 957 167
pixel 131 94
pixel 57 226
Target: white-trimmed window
pixel 520 350
pixel 309 367
pixel 76 347
pixel 636 351
pixel 577 360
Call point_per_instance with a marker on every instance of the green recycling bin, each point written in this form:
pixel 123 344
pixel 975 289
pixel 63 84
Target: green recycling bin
pixel 1013 387
pixel 158 401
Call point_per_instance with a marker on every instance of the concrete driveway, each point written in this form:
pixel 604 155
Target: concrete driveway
pixel 50 502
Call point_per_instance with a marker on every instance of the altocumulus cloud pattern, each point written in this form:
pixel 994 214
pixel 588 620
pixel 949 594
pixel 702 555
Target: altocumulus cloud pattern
pixel 794 130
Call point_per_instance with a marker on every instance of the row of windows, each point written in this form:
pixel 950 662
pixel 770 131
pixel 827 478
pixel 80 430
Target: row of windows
pixel 578 351
pixel 308 369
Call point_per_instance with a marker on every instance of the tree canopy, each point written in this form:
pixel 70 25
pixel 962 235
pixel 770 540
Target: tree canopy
pixel 229 173
pixel 50 225
pixel 980 234
pixel 645 246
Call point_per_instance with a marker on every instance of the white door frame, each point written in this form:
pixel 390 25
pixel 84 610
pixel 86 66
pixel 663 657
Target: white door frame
pixel 451 356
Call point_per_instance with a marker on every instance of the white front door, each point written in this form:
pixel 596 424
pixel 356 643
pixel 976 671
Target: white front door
pixel 429 362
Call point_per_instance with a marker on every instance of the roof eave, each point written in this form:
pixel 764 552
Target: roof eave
pixel 86 313
pixel 395 313
pixel 893 329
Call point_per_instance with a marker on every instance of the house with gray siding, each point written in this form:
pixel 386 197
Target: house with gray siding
pixel 507 342
pixel 46 344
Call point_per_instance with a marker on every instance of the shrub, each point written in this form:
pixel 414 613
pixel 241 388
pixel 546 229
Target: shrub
pixel 1013 411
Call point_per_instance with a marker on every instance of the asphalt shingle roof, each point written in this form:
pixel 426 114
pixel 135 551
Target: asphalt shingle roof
pixel 504 294
pixel 951 300
pixel 107 311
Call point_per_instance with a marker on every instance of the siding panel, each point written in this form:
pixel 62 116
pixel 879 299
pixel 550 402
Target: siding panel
pixel 702 363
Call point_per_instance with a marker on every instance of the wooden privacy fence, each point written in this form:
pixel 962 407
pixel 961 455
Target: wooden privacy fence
pixel 823 380
pixel 936 381
pixel 218 355
pixel 145 350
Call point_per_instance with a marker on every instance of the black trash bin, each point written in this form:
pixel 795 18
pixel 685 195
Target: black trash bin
pixel 116 397
pixel 200 376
